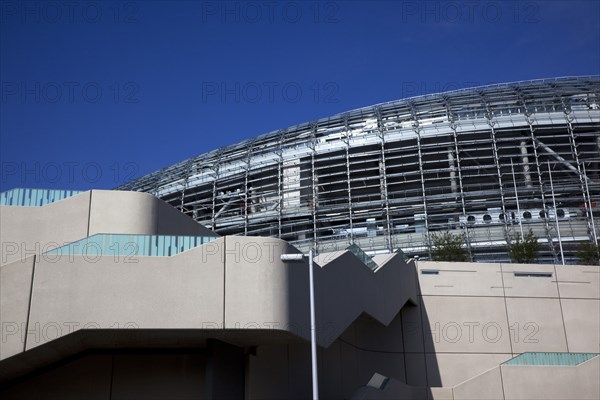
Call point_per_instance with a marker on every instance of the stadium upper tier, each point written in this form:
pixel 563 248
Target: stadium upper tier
pixel 488 162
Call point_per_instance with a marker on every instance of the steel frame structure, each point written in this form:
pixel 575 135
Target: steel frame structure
pixel 472 161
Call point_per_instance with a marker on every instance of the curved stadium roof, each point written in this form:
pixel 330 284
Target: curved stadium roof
pixel 390 175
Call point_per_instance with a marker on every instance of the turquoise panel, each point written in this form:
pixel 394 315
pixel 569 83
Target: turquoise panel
pixel 131 245
pixel 562 359
pixel 34 197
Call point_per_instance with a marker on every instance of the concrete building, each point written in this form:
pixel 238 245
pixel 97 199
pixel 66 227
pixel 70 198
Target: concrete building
pixel 117 295
pixel 486 163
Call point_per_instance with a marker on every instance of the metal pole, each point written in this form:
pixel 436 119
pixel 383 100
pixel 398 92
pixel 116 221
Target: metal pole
pixel 313 329
pixel 562 256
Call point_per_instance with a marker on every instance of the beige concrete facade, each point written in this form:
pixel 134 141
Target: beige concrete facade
pixel 27 231
pixel 474 317
pixel 229 319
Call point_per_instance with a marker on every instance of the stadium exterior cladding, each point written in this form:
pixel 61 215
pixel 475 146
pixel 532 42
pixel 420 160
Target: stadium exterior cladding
pixel 489 162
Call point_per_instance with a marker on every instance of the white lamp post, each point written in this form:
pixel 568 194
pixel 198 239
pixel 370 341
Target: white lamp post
pixel 415 259
pixel 313 328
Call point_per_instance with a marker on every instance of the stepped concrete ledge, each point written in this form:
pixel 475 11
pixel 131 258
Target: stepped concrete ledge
pixel 28 230
pixel 498 383
pixel 228 288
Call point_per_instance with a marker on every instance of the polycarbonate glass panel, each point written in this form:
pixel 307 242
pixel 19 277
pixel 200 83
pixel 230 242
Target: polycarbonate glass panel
pixel 131 245
pixel 563 359
pixel 364 257
pixel 34 197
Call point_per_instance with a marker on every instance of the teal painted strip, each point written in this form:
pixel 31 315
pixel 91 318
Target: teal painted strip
pixel 169 244
pixel 154 246
pixel 161 246
pixel 147 245
pixel 20 197
pixel 39 197
pixel 131 245
pixel 34 197
pixel 562 359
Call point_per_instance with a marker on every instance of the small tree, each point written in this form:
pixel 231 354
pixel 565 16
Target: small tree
pixel 588 253
pixel 448 247
pixel 523 250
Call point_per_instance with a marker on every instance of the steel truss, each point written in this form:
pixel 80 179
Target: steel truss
pixel 386 177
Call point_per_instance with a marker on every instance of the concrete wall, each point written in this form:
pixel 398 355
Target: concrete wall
pixel 445 346
pixel 234 289
pixel 118 376
pixel 15 290
pixel 185 291
pixel 552 382
pixel 441 335
pixel 366 347
pixel 463 328
pixel 27 231
pixel 524 382
pixel 475 316
pixel 137 212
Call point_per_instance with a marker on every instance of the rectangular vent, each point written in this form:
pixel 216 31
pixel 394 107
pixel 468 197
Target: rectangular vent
pixel 430 272
pixel 533 274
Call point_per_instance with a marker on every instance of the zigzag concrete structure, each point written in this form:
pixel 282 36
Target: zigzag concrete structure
pixel 107 294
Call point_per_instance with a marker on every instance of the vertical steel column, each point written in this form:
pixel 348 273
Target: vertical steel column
pixel 598 151
pixel 383 180
pixel 581 175
pixel 315 189
pixel 187 173
pixel 499 173
pixel 246 168
pixel 214 193
pixel 246 173
pixel 420 154
pixel 541 183
pixel 279 182
pixel 417 130
pixel 562 255
pixel 534 144
pixel 347 141
pixel 489 115
pixel 453 125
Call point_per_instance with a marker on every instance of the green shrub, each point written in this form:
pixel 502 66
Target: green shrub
pixel 588 253
pixel 448 247
pixel 523 250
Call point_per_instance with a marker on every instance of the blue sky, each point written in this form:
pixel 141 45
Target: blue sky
pixel 96 93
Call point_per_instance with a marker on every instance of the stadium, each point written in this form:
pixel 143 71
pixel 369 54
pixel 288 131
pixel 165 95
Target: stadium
pixel 489 163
